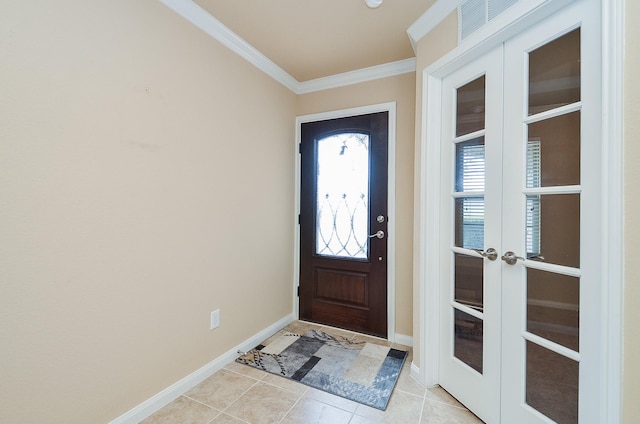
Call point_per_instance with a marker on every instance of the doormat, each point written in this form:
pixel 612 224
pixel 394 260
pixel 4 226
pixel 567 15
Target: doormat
pixel 359 371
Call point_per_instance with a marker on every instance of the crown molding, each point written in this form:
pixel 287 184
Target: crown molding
pixel 361 75
pixel 217 30
pixel 430 19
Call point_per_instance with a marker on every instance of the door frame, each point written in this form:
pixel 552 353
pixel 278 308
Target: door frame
pixel 514 20
pixel 391 203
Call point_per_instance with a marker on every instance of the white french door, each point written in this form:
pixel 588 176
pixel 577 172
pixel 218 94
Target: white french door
pixel 519 237
pixel 470 306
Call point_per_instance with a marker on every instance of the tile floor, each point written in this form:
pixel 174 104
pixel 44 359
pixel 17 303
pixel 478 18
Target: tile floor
pixel 240 394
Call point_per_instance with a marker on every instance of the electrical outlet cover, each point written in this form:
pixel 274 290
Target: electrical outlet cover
pixel 215 319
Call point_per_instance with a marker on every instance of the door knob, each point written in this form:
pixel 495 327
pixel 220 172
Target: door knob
pixel 490 253
pixel 511 258
pixel 379 234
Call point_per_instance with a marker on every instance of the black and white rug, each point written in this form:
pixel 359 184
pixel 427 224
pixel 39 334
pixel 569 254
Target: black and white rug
pixel 356 370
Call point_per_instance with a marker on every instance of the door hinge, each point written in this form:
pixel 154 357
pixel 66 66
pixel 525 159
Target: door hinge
pixel 300 148
pixel 299 219
pixel 298 291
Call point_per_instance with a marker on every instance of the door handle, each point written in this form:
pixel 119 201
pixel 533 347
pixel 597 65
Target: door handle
pixel 511 258
pixel 379 234
pixel 490 253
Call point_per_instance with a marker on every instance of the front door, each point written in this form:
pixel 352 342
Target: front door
pixel 343 223
pixel 520 233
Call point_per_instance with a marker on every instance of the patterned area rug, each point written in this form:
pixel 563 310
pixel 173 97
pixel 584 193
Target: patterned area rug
pixel 359 371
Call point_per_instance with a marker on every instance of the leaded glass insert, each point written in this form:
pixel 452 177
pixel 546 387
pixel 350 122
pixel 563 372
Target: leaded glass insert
pixel 342 203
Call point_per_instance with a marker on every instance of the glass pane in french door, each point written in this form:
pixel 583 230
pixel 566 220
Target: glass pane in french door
pixel 468 340
pixel 554 74
pixel 553 151
pixel 470 107
pixel 469 183
pixel 552 384
pixel 553 307
pixel 553 215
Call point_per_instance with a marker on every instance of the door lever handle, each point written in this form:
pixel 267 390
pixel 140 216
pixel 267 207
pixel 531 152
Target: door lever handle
pixel 490 253
pixel 379 234
pixel 511 258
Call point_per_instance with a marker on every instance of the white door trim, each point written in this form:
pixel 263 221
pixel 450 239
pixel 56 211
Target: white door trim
pixel 391 204
pixel 516 20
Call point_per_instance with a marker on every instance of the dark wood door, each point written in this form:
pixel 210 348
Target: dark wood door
pixel 343 223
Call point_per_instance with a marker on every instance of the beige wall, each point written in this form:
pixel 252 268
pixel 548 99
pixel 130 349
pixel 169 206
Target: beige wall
pixel 147 178
pixel 399 89
pixel 441 40
pixel 632 205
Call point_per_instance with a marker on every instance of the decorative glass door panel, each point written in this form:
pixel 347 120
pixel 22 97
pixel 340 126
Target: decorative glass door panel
pixel 342 222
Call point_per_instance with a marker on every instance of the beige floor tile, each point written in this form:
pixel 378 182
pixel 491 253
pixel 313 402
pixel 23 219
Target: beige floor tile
pixel 248 395
pixel 403 408
pixel 246 370
pixel 221 389
pixel 285 383
pixel 227 419
pixel 263 404
pixel 311 411
pixel 359 419
pixel 440 413
pixel 408 384
pixel 333 400
pixel 438 394
pixel 183 410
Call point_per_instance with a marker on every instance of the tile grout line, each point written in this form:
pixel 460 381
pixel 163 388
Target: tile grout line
pixel 293 406
pixel 245 375
pixel 446 403
pixel 237 399
pixel 201 403
pixel 424 401
pixel 220 412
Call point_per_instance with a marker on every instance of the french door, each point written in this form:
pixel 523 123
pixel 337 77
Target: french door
pixel 519 304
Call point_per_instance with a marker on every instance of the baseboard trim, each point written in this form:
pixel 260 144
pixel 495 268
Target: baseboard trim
pixel 174 391
pixel 404 340
pixel 415 373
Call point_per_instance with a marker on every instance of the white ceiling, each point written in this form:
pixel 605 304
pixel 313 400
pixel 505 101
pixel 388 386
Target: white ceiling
pixel 313 39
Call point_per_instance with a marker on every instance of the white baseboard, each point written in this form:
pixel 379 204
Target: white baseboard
pixel 174 391
pixel 404 340
pixel 415 373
